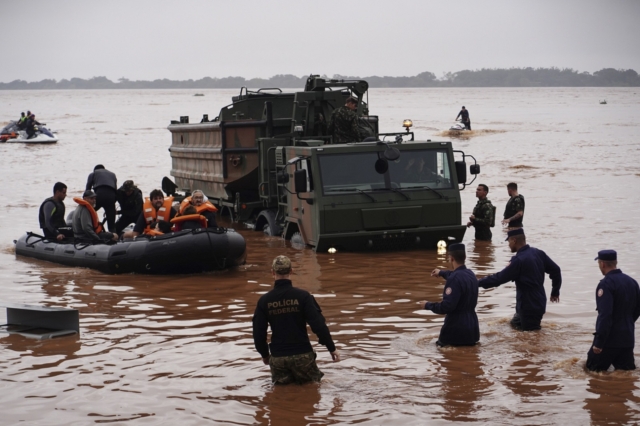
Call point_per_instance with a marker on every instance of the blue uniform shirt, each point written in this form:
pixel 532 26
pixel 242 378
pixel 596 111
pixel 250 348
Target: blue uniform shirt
pixel 527 269
pixel 618 306
pixel 459 300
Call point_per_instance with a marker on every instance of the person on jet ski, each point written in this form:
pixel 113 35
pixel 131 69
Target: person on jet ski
pixel 464 115
pixel 31 126
pixel 22 121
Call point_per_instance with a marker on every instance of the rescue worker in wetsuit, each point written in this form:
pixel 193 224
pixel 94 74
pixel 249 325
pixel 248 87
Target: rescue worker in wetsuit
pixel 22 121
pixel 105 185
pixel 86 226
pixel 343 124
pixel 204 208
pixel 527 268
pixel 130 199
pixel 514 211
pixel 618 306
pixel 52 215
pixel 155 208
pixel 459 300
pixel 483 215
pixel 31 126
pixel 464 118
pixel 288 310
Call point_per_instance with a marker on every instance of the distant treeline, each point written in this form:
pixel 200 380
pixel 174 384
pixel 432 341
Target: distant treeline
pixel 512 77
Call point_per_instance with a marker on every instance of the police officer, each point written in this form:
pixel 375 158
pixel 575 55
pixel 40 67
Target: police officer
pixel 288 310
pixel 514 211
pixel 527 268
pixel 105 185
pixel 459 300
pixel 483 215
pixel 52 215
pixel 343 124
pixel 618 306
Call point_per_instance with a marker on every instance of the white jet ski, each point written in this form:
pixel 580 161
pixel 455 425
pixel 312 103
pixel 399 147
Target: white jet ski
pixel 10 133
pixel 458 127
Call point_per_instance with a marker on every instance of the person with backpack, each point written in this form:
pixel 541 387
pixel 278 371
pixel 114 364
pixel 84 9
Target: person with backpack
pixel 527 268
pixel 514 212
pixel 484 215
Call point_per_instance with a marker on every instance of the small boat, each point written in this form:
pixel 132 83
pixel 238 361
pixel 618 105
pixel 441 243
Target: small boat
pixel 183 252
pixel 199 94
pixel 603 102
pixel 11 133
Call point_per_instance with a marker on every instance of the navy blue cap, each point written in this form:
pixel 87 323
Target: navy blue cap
pixel 514 232
pixel 607 255
pixel 456 247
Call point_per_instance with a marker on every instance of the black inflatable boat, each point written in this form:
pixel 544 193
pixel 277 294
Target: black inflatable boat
pixel 183 252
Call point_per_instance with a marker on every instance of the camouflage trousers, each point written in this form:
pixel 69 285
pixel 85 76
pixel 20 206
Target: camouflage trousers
pixel 298 369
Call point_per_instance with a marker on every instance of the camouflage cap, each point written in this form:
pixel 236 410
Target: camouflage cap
pixel 281 265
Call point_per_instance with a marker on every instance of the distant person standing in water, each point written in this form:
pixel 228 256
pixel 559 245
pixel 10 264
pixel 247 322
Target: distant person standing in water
pixel 618 306
pixel 459 300
pixel 514 211
pixel 464 115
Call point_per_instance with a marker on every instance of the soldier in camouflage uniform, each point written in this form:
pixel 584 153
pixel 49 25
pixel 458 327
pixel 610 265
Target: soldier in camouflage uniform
pixel 482 217
pixel 343 124
pixel 514 211
pixel 288 310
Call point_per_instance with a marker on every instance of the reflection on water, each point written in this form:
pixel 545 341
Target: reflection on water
pixel 178 349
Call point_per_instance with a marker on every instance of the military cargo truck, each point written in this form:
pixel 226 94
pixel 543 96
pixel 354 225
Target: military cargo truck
pixel 268 161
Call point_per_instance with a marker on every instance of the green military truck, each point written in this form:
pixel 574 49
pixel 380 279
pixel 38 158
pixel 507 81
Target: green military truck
pixel 269 162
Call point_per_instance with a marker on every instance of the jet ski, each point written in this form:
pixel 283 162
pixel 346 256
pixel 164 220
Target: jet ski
pixel 458 127
pixel 11 133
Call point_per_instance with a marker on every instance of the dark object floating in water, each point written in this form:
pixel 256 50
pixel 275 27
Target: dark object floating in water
pixel 603 102
pixel 41 322
pixel 199 94
pixel 183 252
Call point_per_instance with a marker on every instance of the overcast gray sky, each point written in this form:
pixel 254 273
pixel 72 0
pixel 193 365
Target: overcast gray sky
pixel 150 39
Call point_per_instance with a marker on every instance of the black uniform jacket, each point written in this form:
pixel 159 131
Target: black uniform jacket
pixel 618 305
pixel 130 205
pixel 459 300
pixel 527 269
pixel 288 310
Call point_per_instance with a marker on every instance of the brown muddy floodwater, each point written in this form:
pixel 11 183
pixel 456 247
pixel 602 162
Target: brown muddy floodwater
pixel 178 349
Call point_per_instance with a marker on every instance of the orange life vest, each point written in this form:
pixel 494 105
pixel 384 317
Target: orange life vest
pixel 178 221
pixel 152 232
pixel 151 215
pixel 97 226
pixel 206 206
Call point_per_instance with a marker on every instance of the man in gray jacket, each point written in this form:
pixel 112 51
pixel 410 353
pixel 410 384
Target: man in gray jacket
pixel 105 185
pixel 85 222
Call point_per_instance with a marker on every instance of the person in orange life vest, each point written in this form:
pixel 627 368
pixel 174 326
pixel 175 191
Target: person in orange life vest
pixel 191 223
pixel 85 223
pixel 155 208
pixel 204 208
pixel 161 228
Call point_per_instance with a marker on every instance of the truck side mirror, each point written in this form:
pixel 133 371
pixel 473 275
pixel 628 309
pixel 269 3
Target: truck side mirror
pixel 300 180
pixel 461 171
pixel 474 169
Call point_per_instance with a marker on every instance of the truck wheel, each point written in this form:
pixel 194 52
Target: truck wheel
pixel 267 230
pixel 266 221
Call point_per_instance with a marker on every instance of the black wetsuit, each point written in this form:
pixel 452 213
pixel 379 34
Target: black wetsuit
pixel 52 219
pixel 464 114
pixel 130 208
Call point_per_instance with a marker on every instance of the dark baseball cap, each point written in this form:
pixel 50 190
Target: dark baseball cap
pixel 514 232
pixel 89 194
pixel 607 255
pixel 456 247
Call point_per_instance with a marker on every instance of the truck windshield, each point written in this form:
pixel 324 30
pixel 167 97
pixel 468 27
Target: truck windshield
pixel 355 172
